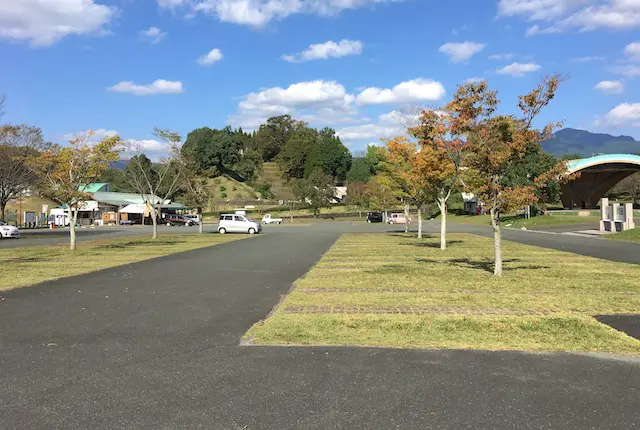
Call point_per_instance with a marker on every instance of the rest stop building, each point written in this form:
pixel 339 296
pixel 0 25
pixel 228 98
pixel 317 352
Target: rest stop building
pixel 107 207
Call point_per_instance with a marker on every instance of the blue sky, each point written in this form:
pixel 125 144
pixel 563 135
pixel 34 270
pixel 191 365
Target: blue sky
pixel 127 66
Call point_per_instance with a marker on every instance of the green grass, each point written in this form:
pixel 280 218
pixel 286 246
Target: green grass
pixel 394 290
pixel 518 221
pixel 31 265
pixel 628 236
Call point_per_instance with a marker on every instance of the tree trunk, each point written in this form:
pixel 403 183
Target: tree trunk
pixel 442 204
pixel 72 229
pixel 406 216
pixel 154 222
pixel 3 207
pixel 419 222
pixel 497 242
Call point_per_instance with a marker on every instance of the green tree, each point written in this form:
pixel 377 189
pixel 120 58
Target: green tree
pixel 375 155
pixel 215 151
pixel 116 178
pixel 534 162
pixel 316 190
pixel 292 159
pixel 360 171
pixel 272 136
pixel 329 155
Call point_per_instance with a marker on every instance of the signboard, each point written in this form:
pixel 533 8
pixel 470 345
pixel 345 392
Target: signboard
pixel 45 209
pixel 30 217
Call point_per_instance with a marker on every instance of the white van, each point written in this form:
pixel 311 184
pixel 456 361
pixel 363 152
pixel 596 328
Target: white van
pixel 234 223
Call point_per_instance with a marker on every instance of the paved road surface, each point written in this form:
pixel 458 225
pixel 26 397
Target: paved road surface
pixel 155 345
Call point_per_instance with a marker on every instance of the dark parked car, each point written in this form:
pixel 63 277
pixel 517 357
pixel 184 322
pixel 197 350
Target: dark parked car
pixel 178 220
pixel 374 217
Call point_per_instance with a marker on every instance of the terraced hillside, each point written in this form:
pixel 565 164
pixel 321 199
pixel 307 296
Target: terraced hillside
pixel 271 174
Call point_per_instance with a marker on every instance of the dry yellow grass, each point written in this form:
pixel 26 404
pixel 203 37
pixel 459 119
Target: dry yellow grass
pixel 395 290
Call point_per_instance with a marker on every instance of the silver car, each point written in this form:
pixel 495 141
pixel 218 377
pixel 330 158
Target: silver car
pixel 235 223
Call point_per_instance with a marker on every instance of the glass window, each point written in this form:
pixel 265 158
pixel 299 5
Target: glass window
pixel 240 218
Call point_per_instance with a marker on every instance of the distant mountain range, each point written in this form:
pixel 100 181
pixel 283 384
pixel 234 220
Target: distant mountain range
pixel 572 141
pixel 120 164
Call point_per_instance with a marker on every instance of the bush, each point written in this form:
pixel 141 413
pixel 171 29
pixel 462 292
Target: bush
pixel 265 191
pixel 223 188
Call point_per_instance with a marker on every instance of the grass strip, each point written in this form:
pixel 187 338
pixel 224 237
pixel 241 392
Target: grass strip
pixel 32 265
pixel 399 291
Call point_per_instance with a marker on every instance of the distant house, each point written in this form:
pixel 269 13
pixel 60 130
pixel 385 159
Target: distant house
pixel 340 195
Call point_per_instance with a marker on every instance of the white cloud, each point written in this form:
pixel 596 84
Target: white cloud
pixel 502 56
pixel 257 13
pixel 632 51
pixel 323 51
pixel 518 69
pixel 459 52
pixel 325 101
pixel 629 70
pixel 588 59
pixel 210 57
pixel 623 114
pixel 43 23
pixel 152 35
pixel 537 9
pixel 610 87
pixel 159 86
pixel 391 124
pixel 565 15
pixel 473 80
pixel 414 91
pixel 370 131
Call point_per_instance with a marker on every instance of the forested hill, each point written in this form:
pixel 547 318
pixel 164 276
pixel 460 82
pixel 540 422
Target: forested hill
pixel 585 144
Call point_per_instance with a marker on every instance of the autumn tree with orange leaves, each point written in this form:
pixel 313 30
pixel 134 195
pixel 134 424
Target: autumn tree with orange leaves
pixel 442 138
pixel 398 171
pixel 496 143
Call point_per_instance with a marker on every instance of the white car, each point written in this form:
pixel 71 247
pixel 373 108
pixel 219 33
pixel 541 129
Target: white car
pixel 268 219
pixel 235 223
pixel 8 231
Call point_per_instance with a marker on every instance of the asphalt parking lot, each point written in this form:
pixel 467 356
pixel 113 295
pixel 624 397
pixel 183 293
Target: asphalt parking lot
pixel 156 345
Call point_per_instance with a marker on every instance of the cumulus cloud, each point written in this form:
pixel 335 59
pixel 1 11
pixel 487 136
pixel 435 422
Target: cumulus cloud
pixel 628 70
pixel 159 86
pixel 459 52
pixel 610 87
pixel 388 125
pixel 152 35
pixel 632 51
pixel 210 57
pixel 258 13
pixel 518 69
pixel 414 91
pixel 323 51
pixel 327 101
pixel 564 15
pixel 43 23
pixel 623 114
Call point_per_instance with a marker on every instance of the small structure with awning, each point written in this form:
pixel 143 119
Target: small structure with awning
pixel 108 207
